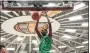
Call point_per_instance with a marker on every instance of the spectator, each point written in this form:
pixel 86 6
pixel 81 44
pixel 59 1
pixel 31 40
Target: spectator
pixel 2 49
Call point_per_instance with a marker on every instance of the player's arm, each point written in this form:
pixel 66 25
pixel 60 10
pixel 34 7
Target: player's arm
pixel 50 28
pixel 36 29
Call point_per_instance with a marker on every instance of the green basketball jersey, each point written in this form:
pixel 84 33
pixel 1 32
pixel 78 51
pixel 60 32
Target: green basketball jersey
pixel 45 44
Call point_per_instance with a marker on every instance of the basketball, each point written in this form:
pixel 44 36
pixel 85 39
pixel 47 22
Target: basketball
pixel 35 16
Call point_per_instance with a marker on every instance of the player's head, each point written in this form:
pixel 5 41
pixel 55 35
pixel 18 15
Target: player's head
pixel 2 49
pixel 44 32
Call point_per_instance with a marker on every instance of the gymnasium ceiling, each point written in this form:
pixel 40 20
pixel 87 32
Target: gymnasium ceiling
pixel 71 37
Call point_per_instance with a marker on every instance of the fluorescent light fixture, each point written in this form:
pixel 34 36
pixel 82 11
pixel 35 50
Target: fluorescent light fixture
pixel 6 11
pixel 23 12
pixel 52 51
pixel 85 24
pixel 19 38
pixel 50 5
pixel 79 6
pixel 23 45
pixel 85 42
pixel 34 41
pixel 74 18
pixel 19 4
pixel 38 49
pixel 70 30
pixel 62 46
pixel 66 36
pixel 2 38
pixel 35 48
pixel 79 46
pixel 10 48
pixel 15 13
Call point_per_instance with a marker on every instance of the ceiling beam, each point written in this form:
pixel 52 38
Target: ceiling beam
pixel 63 43
pixel 70 12
pixel 8 38
pixel 20 45
pixel 30 44
pixel 57 50
pixel 12 42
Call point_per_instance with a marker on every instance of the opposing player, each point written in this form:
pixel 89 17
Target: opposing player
pixel 45 38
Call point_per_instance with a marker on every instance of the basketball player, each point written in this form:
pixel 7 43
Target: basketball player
pixel 45 38
pixel 2 49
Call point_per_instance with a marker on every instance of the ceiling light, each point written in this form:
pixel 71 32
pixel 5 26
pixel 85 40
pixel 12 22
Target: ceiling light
pixel 23 45
pixel 10 48
pixel 79 46
pixel 52 51
pixel 50 5
pixel 19 38
pixel 74 18
pixel 19 4
pixel 62 46
pixel 2 38
pixel 6 11
pixel 34 41
pixel 85 24
pixel 35 48
pixel 66 36
pixel 85 42
pixel 38 49
pixel 70 30
pixel 79 6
